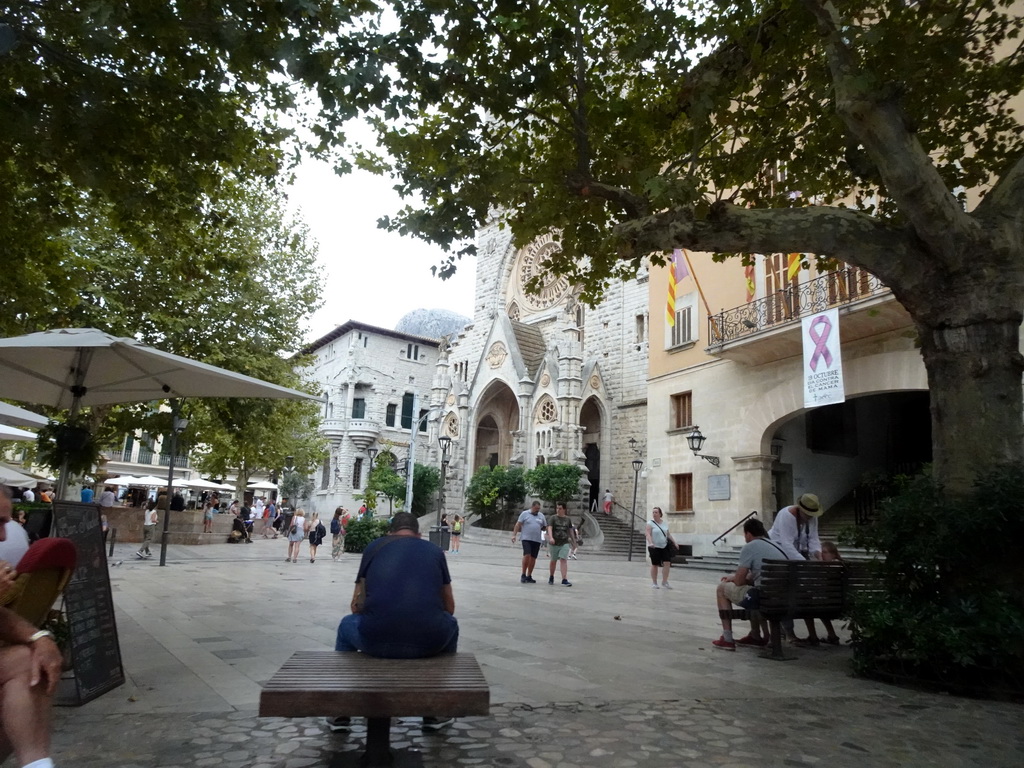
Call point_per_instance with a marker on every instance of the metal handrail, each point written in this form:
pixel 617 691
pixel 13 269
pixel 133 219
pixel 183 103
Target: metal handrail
pixel 834 289
pixel 727 532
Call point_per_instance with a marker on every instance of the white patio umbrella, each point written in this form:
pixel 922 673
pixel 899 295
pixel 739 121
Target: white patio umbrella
pixel 14 416
pixel 13 433
pixel 151 481
pixel 75 367
pixel 262 485
pixel 11 476
pixel 122 480
pixel 203 485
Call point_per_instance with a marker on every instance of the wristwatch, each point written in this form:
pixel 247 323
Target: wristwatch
pixel 40 635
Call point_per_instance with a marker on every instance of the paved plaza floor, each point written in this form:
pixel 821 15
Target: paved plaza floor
pixel 606 673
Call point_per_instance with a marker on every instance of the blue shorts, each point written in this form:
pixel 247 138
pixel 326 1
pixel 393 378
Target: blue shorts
pixel 531 548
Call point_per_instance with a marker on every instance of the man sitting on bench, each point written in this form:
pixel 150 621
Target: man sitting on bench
pixel 402 606
pixel 734 588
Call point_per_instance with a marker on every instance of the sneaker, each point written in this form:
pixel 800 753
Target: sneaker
pixel 551 579
pixel 666 585
pixel 759 642
pixel 148 555
pixel 723 644
pixel 522 579
pixel 436 723
pixel 338 723
pixel 530 580
pixel 566 583
pixel 655 586
pixel 141 555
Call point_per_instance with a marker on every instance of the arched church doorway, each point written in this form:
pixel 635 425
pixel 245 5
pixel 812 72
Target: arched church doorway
pixel 591 421
pixel 498 418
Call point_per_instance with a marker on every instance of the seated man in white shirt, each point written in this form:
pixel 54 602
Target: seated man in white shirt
pixel 13 538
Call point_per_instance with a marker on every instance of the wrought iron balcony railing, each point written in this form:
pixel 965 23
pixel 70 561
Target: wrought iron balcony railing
pixel 834 289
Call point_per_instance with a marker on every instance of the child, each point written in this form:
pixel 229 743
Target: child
pixel 456 534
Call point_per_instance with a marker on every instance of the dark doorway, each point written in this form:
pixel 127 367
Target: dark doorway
pixel 593 454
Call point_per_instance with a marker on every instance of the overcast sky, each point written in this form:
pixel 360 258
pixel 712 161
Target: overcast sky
pixel 370 275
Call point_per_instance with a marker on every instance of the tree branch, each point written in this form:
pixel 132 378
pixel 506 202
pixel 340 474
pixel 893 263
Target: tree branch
pixel 1006 197
pixel 891 253
pixel 873 115
pixel 584 185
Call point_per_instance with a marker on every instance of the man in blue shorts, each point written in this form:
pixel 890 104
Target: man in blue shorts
pixel 531 522
pixel 402 606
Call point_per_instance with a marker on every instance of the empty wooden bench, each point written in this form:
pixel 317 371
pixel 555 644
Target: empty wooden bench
pixel 332 684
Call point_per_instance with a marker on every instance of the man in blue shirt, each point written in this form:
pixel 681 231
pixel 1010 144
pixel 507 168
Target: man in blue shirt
pixel 402 606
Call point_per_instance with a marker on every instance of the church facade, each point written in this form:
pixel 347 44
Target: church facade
pixel 540 378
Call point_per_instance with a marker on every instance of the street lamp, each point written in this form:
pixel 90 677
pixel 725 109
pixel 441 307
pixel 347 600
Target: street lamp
pixel 695 440
pixel 178 425
pixel 637 466
pixel 445 443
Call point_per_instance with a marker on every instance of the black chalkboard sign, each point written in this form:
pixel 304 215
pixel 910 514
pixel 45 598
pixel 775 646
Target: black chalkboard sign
pixel 95 650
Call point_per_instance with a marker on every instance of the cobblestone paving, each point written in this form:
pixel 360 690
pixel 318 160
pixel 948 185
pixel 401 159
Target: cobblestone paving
pixel 908 729
pixel 608 674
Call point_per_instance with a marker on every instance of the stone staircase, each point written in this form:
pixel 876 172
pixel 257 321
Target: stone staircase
pixel 616 537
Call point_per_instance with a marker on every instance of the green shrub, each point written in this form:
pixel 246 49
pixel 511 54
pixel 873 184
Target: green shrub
pixel 496 495
pixel 359 533
pixel 555 482
pixel 952 609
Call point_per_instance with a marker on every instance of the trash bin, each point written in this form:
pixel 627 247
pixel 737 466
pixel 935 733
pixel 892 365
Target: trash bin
pixel 442 537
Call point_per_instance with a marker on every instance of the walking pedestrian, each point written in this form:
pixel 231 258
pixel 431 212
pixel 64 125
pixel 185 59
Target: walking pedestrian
pixel 338 533
pixel 532 524
pixel 296 533
pixel 560 534
pixel 149 520
pixel 658 537
pixel 316 532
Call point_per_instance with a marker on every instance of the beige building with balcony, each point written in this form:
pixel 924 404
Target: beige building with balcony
pixel 732 364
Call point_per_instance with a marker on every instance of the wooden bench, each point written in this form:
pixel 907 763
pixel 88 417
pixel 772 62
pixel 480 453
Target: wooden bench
pixel 806 589
pixel 332 684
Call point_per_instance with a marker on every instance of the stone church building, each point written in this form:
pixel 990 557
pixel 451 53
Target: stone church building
pixel 538 378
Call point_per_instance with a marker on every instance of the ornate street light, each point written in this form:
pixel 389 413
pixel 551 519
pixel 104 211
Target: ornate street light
pixel 696 440
pixel 445 444
pixel 637 466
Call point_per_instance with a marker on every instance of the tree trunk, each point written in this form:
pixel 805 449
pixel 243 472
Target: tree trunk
pixel 974 374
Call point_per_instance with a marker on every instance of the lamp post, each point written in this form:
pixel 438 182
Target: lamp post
pixel 178 425
pixel 637 466
pixel 696 440
pixel 445 443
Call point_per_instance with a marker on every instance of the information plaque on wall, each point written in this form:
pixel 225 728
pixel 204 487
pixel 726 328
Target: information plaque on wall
pixel 89 606
pixel 718 488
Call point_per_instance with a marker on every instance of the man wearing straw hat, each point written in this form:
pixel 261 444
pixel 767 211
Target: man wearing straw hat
pixel 795 529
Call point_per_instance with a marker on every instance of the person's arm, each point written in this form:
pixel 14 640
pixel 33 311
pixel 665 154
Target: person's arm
pixel 359 597
pixel 813 542
pixel 649 529
pixel 740 577
pixel 516 529
pixel 46 657
pixel 448 599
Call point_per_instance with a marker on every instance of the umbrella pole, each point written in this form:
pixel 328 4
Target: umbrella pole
pixel 77 390
pixel 165 535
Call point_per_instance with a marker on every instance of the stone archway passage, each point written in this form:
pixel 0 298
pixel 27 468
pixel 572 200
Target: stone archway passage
pixel 498 419
pixel 591 421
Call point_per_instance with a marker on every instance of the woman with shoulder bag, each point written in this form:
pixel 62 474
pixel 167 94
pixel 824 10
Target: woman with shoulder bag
pixel 660 546
pixel 296 533
pixel 316 532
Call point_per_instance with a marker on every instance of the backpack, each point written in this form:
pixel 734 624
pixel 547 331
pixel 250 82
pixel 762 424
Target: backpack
pixel 320 531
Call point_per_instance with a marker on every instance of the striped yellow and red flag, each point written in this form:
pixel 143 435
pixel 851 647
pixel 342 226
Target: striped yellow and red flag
pixel 794 266
pixel 677 271
pixel 748 273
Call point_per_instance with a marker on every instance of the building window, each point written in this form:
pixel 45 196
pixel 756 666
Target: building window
pixel 683 331
pixel 682 410
pixel 407 410
pixel 423 419
pixel 357 474
pixel 682 492
pixel 641 329
pixel 325 475
pixel 412 351
pixel 392 411
pixel 358 408
pixel 129 444
pixel 547 412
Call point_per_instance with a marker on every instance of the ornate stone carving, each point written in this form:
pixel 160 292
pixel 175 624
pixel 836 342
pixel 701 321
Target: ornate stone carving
pixel 545 380
pixel 496 354
pixel 595 381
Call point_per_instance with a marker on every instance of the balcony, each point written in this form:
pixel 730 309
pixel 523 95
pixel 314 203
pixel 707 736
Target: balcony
pixel 362 432
pixel 179 461
pixel 769 329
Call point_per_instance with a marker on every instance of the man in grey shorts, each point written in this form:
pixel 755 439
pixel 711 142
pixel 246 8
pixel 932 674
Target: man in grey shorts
pixel 531 522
